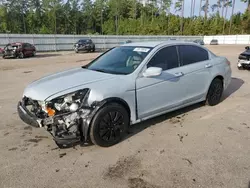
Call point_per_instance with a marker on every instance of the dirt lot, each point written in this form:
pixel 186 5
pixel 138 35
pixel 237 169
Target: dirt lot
pixel 198 146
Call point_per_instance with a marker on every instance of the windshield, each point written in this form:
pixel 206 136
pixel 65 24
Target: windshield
pixel 82 41
pixel 120 60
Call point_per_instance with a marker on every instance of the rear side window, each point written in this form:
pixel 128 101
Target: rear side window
pixel 192 54
pixel 165 58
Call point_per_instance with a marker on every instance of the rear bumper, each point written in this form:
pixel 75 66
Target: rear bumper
pixel 27 117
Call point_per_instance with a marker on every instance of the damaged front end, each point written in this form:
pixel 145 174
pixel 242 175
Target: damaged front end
pixel 67 118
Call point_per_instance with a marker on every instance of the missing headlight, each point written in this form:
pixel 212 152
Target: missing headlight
pixel 70 102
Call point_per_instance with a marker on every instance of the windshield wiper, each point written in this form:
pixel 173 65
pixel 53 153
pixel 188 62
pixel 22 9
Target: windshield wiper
pixel 98 70
pixel 108 71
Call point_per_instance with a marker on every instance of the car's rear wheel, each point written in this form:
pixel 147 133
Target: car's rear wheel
pixel 76 50
pixel 215 92
pixel 21 55
pixel 4 56
pixel 93 49
pixel 109 125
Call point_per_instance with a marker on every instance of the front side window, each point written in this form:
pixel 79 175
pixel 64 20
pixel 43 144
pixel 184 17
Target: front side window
pixel 120 60
pixel 165 58
pixel 192 54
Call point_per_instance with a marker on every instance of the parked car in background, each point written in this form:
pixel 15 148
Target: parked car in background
pixel 19 50
pixel 84 45
pixel 199 41
pixel 1 50
pixel 123 86
pixel 244 59
pixel 214 42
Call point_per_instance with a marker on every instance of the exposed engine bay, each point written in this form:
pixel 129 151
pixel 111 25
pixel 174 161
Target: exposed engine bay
pixel 63 117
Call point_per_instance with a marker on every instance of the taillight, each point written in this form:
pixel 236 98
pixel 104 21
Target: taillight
pixel 228 63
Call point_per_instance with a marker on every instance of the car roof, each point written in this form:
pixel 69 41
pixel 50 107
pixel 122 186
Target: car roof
pixel 16 43
pixel 156 43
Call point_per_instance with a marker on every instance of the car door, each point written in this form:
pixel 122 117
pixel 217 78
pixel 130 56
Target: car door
pixel 195 65
pixel 29 49
pixel 164 92
pixel 25 49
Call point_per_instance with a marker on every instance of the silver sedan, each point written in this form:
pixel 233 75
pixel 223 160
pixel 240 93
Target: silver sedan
pixel 123 86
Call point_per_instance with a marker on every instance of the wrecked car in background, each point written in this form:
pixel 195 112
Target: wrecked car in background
pixel 1 51
pixel 214 42
pixel 123 86
pixel 84 45
pixel 19 50
pixel 244 59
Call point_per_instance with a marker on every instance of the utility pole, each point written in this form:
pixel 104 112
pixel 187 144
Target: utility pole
pixel 102 21
pixel 116 18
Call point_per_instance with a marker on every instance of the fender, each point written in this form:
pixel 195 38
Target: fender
pixel 86 122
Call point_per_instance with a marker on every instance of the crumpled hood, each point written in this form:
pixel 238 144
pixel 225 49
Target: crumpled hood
pixel 53 84
pixel 247 52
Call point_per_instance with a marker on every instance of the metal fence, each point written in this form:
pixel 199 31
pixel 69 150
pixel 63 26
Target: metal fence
pixel 66 42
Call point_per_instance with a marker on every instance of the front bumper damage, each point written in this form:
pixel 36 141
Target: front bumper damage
pixel 81 130
pixel 83 47
pixel 243 64
pixel 27 117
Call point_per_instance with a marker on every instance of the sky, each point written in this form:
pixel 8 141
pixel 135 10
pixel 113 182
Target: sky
pixel 239 7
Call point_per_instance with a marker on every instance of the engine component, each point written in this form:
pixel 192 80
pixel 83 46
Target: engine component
pixel 73 107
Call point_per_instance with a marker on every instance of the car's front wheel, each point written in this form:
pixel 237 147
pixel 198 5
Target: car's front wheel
pixel 76 50
pixel 21 55
pixel 215 92
pixel 109 125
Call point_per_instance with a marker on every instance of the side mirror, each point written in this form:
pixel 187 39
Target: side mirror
pixel 152 71
pixel 247 47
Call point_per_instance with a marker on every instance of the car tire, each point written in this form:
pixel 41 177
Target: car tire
pixel 215 92
pixel 109 125
pixel 4 57
pixel 76 50
pixel 93 49
pixel 21 55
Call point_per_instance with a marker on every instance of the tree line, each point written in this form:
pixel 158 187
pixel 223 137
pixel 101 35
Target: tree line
pixel 122 17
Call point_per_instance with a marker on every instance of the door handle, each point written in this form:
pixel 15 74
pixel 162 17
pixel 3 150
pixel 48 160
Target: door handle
pixel 178 74
pixel 208 65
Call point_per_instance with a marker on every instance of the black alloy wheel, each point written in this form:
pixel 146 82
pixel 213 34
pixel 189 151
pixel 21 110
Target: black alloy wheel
pixel 215 92
pixel 109 125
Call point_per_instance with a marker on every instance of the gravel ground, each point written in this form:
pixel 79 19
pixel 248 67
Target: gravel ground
pixel 198 146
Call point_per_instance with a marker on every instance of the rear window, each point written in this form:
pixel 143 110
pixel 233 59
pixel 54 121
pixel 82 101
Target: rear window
pixel 192 54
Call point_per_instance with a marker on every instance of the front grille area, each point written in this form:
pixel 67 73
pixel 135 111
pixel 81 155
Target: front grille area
pixel 33 107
